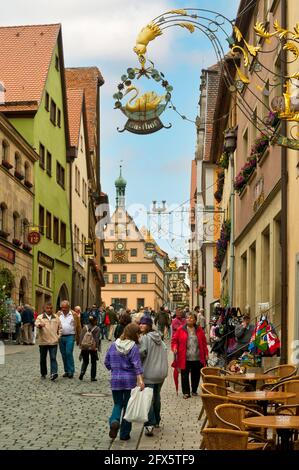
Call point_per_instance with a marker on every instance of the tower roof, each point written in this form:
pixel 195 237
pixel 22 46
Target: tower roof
pixel 120 182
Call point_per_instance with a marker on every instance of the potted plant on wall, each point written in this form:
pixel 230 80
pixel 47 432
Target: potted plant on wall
pixel 16 242
pixel 4 234
pixel 6 164
pixel 19 175
pixel 27 247
pixel 28 184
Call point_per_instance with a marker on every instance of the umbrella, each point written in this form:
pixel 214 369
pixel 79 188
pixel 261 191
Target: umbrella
pixel 175 373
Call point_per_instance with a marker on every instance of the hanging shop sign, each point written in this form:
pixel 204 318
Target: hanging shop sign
pixel 88 249
pixel 34 237
pixel 142 110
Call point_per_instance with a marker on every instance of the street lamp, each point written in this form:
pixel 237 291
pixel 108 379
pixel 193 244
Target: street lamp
pixel 230 144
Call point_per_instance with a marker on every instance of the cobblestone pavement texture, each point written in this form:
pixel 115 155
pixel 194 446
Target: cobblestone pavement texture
pixel 70 414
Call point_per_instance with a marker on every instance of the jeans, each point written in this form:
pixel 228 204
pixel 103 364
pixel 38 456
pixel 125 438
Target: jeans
pixel 120 399
pixel 66 346
pixel 104 331
pixel 93 359
pixel 43 359
pixel 193 367
pixel 154 416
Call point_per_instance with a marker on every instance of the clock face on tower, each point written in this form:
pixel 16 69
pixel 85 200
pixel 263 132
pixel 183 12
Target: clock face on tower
pixel 120 246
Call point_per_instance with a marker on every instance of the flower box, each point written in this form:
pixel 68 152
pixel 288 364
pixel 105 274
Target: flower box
pixel 6 164
pixel 19 175
pixel 4 234
pixel 27 247
pixel 28 184
pixel 16 242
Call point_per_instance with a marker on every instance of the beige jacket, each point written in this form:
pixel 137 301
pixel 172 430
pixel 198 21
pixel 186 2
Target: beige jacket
pixel 49 334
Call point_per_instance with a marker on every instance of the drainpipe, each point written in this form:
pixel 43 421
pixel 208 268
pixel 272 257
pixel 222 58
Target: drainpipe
pixel 284 215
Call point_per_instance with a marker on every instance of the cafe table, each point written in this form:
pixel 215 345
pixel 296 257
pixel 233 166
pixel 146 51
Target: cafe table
pixel 284 426
pixel 264 397
pixel 249 377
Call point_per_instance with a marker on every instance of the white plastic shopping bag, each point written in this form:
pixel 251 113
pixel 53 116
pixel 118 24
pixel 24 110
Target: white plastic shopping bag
pixel 139 405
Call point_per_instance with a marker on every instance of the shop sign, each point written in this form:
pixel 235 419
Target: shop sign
pixel 7 254
pixel 45 260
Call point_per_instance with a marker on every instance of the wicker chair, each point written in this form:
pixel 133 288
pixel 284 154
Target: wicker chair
pixel 215 389
pixel 213 371
pixel 291 386
pixel 283 372
pixel 225 439
pixel 231 416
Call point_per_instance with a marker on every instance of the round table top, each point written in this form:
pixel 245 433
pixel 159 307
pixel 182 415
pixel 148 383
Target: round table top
pixel 248 377
pixel 274 422
pixel 261 395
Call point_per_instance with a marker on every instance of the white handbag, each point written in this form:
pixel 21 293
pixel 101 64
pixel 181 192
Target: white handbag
pixel 139 405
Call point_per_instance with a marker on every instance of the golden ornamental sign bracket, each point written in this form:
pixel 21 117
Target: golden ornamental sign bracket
pixel 143 110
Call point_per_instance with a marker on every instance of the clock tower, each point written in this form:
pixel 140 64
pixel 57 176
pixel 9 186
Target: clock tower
pixel 120 185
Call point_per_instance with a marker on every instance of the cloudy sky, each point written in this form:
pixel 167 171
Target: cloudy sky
pixel 102 33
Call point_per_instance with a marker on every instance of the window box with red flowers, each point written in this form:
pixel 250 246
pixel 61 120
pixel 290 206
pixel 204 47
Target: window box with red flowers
pixel 6 164
pixel 27 247
pixel 16 242
pixel 28 184
pixel 19 175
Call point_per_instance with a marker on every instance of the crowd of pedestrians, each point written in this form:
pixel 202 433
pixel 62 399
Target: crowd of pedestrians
pixel 138 355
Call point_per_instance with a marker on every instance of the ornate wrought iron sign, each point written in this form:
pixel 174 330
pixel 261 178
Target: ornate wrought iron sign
pixel 142 111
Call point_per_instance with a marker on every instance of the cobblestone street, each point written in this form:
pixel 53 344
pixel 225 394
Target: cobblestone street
pixel 70 414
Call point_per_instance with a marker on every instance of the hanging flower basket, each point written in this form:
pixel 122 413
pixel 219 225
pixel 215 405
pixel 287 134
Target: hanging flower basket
pixel 6 164
pixel 202 291
pixel 224 160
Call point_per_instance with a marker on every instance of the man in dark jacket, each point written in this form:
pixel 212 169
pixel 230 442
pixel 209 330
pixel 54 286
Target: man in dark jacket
pixel 27 324
pixel 92 350
pixel 243 333
pixel 162 321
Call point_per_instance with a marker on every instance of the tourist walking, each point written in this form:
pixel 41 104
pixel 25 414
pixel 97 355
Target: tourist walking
pixel 27 316
pixel 102 325
pixel 154 359
pixel 124 320
pixel 162 321
pixel 178 321
pixel 18 321
pixel 90 344
pixel 190 347
pixel 70 333
pixel 49 327
pixel 113 322
pixel 123 360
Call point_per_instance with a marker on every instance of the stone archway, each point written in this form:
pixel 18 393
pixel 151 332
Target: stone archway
pixel 63 295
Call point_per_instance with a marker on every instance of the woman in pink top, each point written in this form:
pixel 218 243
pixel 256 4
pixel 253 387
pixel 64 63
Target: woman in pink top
pixel 178 321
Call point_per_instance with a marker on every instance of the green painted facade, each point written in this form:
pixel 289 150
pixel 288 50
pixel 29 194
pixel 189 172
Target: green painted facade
pixel 49 194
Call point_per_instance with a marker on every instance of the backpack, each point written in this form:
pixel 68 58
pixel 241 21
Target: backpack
pixel 88 342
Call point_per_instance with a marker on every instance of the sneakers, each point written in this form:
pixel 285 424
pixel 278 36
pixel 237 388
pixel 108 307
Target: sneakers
pixel 149 430
pixel 70 376
pixel 114 427
pixel 54 377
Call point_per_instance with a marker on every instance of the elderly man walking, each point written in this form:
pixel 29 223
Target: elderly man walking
pixel 70 332
pixel 49 333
